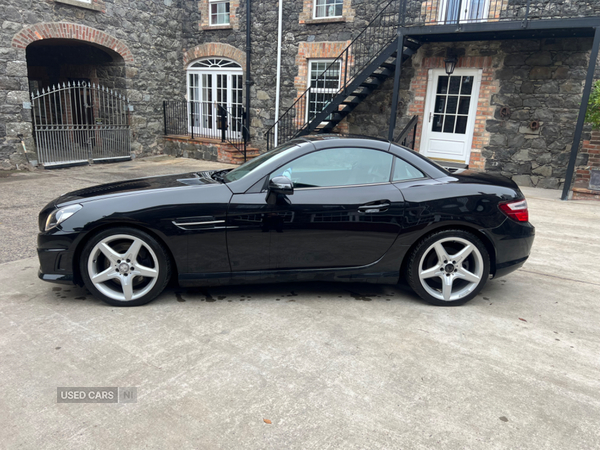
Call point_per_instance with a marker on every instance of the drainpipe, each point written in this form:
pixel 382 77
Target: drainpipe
pixel 248 79
pixel 278 85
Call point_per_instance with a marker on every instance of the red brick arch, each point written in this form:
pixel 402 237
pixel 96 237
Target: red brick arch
pixel 215 49
pixel 64 30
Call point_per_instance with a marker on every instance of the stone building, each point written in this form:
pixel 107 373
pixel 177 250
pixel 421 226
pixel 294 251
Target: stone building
pixel 510 105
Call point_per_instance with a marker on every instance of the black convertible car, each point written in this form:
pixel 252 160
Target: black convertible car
pixel 317 208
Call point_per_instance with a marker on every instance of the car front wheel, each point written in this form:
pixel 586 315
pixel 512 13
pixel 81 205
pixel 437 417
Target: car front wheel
pixel 448 268
pixel 125 267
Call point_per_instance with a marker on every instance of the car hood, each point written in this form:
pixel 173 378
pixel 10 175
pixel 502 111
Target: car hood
pixel 136 185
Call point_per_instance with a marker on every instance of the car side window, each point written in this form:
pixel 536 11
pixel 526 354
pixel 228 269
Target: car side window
pixel 338 167
pixel 405 171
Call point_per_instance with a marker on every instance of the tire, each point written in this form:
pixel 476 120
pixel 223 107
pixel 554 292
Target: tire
pixel 125 267
pixel 448 268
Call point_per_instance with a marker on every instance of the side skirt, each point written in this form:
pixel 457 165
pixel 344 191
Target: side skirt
pixel 384 271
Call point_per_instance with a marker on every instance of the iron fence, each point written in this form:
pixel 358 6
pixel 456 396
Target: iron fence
pixel 204 120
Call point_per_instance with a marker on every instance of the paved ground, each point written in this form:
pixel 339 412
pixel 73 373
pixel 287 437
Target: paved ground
pixel 330 366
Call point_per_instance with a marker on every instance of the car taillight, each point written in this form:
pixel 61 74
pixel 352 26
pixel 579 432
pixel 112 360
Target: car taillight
pixel 516 210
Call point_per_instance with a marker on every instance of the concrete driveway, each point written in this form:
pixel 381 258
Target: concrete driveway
pixel 304 366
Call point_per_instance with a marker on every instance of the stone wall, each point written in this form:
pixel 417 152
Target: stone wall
pixel 541 82
pixel 146 34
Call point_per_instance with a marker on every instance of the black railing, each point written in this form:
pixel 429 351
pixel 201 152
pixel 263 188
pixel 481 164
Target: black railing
pixel 378 34
pixel 206 120
pixel 454 12
pixel 408 136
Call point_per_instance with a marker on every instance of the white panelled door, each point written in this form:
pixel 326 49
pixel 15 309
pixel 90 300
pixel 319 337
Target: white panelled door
pixel 450 111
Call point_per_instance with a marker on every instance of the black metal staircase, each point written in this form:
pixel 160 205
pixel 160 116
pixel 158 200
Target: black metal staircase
pixel 361 68
pixel 371 78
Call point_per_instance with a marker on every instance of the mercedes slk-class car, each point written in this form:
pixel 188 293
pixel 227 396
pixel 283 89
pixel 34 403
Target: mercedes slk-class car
pixel 317 208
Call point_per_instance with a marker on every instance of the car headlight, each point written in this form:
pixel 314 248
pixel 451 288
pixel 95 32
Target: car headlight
pixel 60 215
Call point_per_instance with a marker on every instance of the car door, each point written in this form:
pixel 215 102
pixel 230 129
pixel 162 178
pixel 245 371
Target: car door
pixel 249 232
pixel 344 211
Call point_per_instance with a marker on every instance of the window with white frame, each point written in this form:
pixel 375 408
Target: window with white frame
pixel 324 83
pixel 328 8
pixel 213 83
pixel 218 12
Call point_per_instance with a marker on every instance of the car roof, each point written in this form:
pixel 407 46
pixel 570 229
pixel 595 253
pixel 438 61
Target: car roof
pixel 330 136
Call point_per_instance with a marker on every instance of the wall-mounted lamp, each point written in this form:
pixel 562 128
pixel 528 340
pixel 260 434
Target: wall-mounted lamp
pixel 450 63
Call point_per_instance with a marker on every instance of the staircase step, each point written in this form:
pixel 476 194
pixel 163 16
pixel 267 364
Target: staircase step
pixel 371 83
pixel 348 107
pixel 339 116
pixel 391 66
pixel 362 91
pixel 383 73
pixel 352 100
pixel 412 44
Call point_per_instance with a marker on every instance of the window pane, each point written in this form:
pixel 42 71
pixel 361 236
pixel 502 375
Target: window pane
pixel 467 85
pixel 438 121
pixel 449 124
pixel 442 85
pixel 338 167
pixel 452 104
pixel 440 104
pixel 404 171
pixel 219 13
pixel 328 8
pixel 461 125
pixel 454 85
pixel 463 107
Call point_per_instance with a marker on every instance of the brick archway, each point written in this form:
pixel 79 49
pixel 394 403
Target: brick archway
pixel 215 49
pixel 64 30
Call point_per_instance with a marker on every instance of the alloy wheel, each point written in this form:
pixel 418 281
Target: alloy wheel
pixel 451 268
pixel 123 267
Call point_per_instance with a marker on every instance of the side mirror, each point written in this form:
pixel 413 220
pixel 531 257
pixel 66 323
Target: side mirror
pixel 281 185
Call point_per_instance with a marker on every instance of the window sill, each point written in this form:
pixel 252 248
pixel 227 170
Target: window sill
pixel 216 27
pixel 94 6
pixel 325 20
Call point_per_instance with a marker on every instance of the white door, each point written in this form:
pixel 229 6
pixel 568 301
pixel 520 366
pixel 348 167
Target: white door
pixel 450 111
pixel 214 83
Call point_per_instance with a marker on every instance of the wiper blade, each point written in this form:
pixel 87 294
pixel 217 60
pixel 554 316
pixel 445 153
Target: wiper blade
pixel 219 175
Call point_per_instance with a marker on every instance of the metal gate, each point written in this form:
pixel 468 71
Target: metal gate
pixel 80 122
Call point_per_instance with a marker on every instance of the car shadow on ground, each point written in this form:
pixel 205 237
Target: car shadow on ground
pixel 276 292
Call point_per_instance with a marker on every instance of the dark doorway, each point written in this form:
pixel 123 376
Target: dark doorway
pixel 51 62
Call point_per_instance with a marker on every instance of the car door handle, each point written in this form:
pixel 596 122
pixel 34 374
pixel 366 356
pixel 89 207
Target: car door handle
pixel 374 207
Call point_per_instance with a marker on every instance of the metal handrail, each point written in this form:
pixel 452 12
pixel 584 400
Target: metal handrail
pixel 411 126
pixel 295 119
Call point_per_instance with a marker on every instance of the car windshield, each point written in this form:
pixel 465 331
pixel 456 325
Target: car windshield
pixel 255 163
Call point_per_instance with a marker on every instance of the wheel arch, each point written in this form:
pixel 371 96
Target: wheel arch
pixel 487 242
pixel 77 278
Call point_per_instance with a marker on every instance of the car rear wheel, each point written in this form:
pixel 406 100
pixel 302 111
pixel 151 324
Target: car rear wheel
pixel 125 267
pixel 448 268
